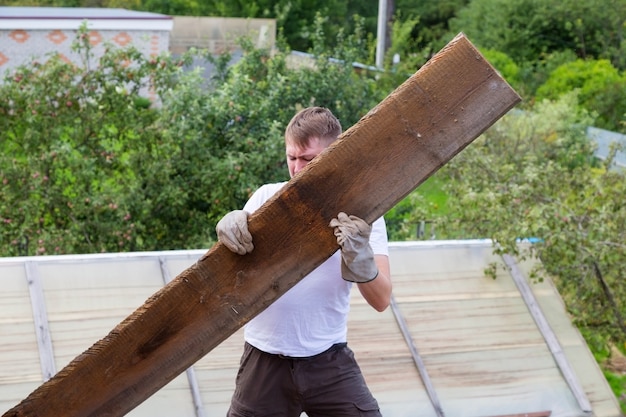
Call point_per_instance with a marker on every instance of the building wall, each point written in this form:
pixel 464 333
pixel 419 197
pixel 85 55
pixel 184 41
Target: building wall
pixel 220 34
pixel 20 46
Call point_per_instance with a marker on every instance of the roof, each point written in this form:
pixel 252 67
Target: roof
pixel 454 342
pixel 44 18
pixel 604 139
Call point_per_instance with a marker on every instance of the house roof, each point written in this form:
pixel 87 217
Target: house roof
pixel 454 342
pixel 68 18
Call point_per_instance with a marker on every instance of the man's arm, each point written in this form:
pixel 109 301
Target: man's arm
pixel 377 292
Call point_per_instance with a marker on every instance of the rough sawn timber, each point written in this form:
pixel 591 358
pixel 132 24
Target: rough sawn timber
pixel 395 147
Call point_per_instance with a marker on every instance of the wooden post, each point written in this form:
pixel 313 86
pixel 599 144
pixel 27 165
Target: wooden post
pixel 394 148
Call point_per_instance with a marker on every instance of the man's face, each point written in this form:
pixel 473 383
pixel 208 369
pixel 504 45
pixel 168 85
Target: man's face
pixel 298 158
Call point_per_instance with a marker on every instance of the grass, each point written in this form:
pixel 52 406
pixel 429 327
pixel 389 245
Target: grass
pixel 618 385
pixel 432 192
pixel 428 199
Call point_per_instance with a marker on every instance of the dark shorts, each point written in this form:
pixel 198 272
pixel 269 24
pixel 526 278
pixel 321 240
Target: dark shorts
pixel 328 384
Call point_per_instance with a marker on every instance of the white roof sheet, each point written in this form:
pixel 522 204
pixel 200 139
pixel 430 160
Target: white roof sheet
pixel 44 18
pixel 482 352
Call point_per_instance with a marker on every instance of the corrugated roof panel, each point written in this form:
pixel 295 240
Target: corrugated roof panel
pixel 478 342
pixel 386 362
pixel 506 381
pixel 173 400
pixel 216 374
pixel 20 371
pixel 91 298
pixel 574 346
pixel 483 353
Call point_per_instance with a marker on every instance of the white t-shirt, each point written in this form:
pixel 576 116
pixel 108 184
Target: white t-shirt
pixel 311 316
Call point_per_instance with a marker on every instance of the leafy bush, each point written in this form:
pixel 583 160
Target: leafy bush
pixel 601 89
pixel 75 144
pixel 88 165
pixel 533 175
pixel 527 30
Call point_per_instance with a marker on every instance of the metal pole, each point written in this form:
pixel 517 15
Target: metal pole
pixel 381 33
pixel 419 363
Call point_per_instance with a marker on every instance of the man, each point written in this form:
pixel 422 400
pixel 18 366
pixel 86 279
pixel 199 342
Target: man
pixel 296 358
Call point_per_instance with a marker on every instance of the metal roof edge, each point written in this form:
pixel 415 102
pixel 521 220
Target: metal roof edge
pixel 200 252
pixel 440 243
pixel 101 256
pixel 92 24
pixel 70 18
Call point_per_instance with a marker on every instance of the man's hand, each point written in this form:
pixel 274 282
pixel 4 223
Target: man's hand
pixel 232 231
pixel 357 257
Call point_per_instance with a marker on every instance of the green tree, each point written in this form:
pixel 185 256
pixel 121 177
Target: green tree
pixel 533 175
pixel 430 23
pixel 230 133
pixel 602 89
pixel 527 29
pixel 75 144
pixel 87 164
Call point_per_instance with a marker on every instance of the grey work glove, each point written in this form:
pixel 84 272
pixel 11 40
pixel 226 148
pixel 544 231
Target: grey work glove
pixel 357 257
pixel 232 231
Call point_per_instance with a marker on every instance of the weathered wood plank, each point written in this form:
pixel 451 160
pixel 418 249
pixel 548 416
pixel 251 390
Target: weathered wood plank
pixel 394 148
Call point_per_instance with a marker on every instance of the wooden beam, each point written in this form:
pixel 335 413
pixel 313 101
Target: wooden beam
pixel 377 162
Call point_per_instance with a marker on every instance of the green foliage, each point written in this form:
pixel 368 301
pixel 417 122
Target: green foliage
pixel 533 176
pixel 598 344
pixel 231 134
pixel 617 383
pixel 414 218
pixel 601 89
pixel 429 24
pixel 227 138
pixel 534 74
pixel 404 44
pixel 170 7
pixel 529 29
pixel 74 143
pixel 87 166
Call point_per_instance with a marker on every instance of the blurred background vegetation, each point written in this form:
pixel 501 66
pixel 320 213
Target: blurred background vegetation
pixel 88 165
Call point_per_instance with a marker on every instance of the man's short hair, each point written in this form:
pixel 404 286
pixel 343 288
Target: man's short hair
pixel 312 122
